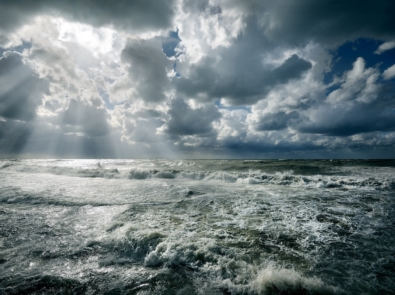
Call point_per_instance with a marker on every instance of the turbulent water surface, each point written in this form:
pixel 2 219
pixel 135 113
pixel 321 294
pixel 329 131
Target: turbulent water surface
pixel 197 227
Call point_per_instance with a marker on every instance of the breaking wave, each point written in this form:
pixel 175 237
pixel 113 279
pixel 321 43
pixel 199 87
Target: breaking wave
pixel 196 227
pixel 262 178
pixel 286 178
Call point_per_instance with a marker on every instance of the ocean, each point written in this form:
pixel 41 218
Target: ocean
pixel 197 227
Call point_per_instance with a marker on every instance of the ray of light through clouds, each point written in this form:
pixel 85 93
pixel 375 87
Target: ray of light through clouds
pixel 197 79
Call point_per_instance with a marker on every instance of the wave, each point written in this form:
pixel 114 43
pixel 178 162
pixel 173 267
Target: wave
pixel 275 280
pixel 286 178
pixel 59 170
pixel 206 259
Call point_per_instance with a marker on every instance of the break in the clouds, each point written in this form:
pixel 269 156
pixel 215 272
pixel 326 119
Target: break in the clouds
pixel 210 78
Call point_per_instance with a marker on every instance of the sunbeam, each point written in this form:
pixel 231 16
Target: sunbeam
pixel 197 147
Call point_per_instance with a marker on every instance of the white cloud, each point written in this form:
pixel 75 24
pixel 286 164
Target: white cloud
pixel 358 84
pixel 385 46
pixel 359 105
pixel 389 73
pixel 232 124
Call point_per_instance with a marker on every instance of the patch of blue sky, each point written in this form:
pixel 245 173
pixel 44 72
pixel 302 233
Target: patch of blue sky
pixel 19 48
pixel 231 108
pixel 345 55
pixel 169 46
pixel 106 98
pixel 177 75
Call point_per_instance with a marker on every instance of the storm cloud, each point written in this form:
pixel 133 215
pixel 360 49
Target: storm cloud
pixel 183 120
pixel 276 121
pixel 127 15
pixel 148 67
pixel 212 78
pixel 330 22
pixel 21 90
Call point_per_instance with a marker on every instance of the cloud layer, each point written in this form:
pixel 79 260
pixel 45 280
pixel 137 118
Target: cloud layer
pixel 181 78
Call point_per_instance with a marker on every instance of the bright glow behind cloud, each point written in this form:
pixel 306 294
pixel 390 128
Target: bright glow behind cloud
pixel 96 40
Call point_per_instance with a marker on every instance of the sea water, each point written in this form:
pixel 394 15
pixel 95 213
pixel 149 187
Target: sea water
pixel 197 227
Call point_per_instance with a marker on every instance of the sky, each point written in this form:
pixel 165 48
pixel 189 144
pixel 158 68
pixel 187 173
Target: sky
pixel 197 79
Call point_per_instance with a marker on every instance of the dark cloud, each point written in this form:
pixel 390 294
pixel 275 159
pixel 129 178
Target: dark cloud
pixel 306 150
pixel 15 14
pixel 277 144
pixel 239 75
pixel 187 121
pixel 191 6
pixel 147 114
pixel 276 121
pixel 137 15
pixel 148 67
pixel 244 84
pixel 348 120
pixel 134 15
pixel 21 90
pixel 328 21
pixel 292 68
